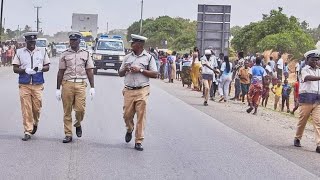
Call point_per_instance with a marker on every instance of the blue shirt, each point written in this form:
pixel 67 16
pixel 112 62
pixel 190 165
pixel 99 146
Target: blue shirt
pixel 286 90
pixel 257 73
pixel 224 69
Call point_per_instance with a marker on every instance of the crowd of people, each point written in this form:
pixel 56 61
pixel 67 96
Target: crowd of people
pixel 253 77
pixel 7 52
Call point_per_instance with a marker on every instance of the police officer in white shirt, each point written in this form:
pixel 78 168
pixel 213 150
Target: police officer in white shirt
pixel 30 63
pixel 137 67
pixel 309 98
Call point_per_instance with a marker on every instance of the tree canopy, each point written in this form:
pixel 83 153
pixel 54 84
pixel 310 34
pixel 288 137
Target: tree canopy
pixel 179 33
pixel 275 31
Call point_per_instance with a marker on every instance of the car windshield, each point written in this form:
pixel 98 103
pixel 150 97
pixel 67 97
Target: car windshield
pixel 88 38
pixel 110 45
pixel 61 46
pixel 82 44
pixel 41 43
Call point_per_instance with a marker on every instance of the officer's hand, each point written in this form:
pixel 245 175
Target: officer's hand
pixel 92 93
pixel 127 67
pixel 135 69
pixel 58 94
pixel 30 71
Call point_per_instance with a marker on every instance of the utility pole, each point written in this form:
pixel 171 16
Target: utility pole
pixel 38 21
pixel 1 13
pixel 107 27
pixel 141 19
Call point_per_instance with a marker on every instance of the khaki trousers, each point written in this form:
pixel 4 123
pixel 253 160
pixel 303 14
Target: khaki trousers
pixel 31 103
pixel 73 97
pixel 305 111
pixel 135 102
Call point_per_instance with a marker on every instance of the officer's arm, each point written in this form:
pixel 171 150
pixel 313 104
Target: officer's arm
pixel 60 77
pixel 90 77
pixel 18 70
pixel 46 68
pixel 150 74
pixel 46 63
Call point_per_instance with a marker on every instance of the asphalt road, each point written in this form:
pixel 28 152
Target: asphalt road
pixel 181 141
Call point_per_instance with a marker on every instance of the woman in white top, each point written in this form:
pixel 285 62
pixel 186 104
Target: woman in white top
pixel 225 79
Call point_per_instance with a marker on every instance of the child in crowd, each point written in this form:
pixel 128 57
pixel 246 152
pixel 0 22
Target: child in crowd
pixel 286 70
pixel 277 91
pixel 266 90
pixel 286 91
pixel 296 96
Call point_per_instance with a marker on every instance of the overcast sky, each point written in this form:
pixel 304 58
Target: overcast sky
pixel 56 14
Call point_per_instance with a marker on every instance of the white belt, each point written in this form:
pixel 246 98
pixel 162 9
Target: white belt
pixel 76 80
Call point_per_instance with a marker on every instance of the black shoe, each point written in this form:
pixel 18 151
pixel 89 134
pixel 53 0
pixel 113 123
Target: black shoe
pixel 35 128
pixel 128 137
pixel 296 143
pixel 205 103
pixel 249 110
pixel 138 146
pixel 67 139
pixel 26 137
pixel 79 131
pixel 318 149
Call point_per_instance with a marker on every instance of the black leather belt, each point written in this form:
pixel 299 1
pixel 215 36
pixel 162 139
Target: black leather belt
pixel 135 88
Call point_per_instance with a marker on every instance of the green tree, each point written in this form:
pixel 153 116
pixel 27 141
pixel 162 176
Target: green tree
pixel 178 32
pixel 10 34
pixel 275 31
pixel 235 30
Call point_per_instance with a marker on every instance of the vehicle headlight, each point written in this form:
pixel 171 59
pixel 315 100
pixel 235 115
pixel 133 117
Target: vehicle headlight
pixel 121 58
pixel 96 56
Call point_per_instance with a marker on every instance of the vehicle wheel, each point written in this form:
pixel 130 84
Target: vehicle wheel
pixel 95 71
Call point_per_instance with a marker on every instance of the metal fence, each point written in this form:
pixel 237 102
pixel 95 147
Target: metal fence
pixel 213 28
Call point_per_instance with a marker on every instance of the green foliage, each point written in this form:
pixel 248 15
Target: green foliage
pixel 178 32
pixel 275 31
pixel 235 30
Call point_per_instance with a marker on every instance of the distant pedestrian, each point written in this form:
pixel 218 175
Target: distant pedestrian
pixel 9 55
pixel 237 84
pixel 309 98
pixel 195 70
pixel 269 69
pixel 209 66
pixel 279 67
pixel 277 91
pixel 244 80
pixel 297 68
pixel 186 71
pixel 286 91
pixel 272 64
pixel 155 55
pixel 266 90
pixel 296 96
pixel 286 70
pixel 225 79
pixel 258 74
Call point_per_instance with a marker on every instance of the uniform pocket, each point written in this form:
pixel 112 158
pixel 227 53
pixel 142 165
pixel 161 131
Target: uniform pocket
pixel 69 61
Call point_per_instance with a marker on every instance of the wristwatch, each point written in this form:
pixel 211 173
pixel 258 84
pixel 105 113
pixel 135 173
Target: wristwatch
pixel 141 70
